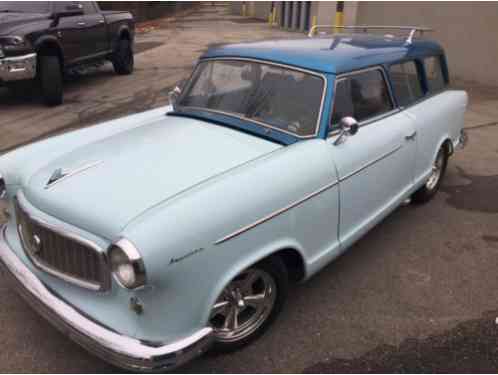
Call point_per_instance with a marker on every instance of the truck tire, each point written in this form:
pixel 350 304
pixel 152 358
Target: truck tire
pixel 21 89
pixel 51 80
pixel 122 58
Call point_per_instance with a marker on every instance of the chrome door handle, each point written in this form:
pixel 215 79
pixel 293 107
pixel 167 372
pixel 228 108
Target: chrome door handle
pixel 81 24
pixel 411 137
pixel 101 21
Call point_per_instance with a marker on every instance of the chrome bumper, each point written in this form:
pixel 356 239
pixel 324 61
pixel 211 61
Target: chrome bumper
pixel 462 140
pixel 18 68
pixel 122 351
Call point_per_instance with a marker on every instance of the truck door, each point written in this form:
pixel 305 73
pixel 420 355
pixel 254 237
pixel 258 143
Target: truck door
pixel 68 31
pixel 95 30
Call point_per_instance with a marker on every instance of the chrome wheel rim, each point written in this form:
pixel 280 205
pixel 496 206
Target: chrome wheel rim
pixel 437 169
pixel 243 306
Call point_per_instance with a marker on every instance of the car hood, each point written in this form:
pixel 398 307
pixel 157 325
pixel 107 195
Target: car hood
pixel 110 182
pixel 9 22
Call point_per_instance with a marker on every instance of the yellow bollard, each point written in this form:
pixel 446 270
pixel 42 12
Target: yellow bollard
pixel 270 19
pixel 339 16
pixel 244 9
pixel 313 21
pixel 274 16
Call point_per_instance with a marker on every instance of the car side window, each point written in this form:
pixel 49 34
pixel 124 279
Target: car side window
pixel 406 82
pixel 361 95
pixel 434 74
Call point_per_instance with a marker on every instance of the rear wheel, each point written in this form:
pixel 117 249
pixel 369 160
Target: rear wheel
pixel 431 187
pixel 122 59
pixel 50 72
pixel 249 304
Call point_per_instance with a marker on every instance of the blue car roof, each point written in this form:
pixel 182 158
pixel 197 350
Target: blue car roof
pixel 336 54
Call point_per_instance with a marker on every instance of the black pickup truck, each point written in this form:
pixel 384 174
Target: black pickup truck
pixel 41 40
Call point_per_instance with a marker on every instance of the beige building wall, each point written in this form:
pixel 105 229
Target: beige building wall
pixel 467 30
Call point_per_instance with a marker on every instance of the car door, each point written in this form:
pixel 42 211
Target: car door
pixel 375 166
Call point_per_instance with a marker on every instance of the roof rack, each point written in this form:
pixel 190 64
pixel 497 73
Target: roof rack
pixel 412 29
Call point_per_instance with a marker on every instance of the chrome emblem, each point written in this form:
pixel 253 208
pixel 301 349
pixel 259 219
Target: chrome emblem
pixel 37 244
pixel 56 176
pixel 61 174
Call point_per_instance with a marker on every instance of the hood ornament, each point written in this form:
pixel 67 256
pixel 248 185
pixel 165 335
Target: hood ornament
pixel 56 176
pixel 60 174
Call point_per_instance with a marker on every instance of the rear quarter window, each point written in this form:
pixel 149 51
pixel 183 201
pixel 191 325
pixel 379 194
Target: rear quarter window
pixel 406 83
pixel 434 73
pixel 361 95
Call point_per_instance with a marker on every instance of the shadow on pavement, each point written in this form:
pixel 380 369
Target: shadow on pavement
pixel 470 347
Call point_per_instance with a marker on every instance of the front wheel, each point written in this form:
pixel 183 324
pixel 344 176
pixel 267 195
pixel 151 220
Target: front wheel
pixel 51 80
pixel 249 304
pixel 431 187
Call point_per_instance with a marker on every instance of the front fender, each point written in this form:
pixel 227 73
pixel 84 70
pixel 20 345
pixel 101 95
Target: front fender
pixel 273 196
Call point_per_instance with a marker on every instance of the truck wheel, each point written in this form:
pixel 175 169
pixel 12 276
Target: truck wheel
pixel 249 304
pixel 431 187
pixel 122 58
pixel 51 80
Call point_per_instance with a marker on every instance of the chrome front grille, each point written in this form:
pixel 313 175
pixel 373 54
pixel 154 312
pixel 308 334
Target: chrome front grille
pixel 62 254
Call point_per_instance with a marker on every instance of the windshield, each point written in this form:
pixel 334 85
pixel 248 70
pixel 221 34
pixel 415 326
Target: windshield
pixel 271 95
pixel 25 6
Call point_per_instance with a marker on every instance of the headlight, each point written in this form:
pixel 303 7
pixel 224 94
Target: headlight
pixel 127 264
pixel 13 43
pixel 3 187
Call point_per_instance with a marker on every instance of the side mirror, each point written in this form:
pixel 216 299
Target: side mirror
pixel 349 127
pixel 176 92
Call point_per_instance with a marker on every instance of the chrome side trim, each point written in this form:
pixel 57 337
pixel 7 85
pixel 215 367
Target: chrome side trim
pixel 275 213
pixel 105 275
pixel 65 176
pixel 266 62
pixel 370 163
pixel 121 350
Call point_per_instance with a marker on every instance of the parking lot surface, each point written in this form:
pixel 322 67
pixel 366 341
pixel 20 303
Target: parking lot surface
pixel 418 293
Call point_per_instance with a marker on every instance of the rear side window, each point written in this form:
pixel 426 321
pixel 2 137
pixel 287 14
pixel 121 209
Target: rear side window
pixel 406 82
pixel 434 73
pixel 362 95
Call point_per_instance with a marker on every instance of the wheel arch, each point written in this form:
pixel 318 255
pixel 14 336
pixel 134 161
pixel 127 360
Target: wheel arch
pixel 445 143
pixel 291 253
pixel 49 46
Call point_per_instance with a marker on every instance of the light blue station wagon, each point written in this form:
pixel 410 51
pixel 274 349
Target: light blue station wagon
pixel 149 238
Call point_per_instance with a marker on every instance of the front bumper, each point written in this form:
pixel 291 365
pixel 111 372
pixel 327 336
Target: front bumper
pixel 18 68
pixel 123 351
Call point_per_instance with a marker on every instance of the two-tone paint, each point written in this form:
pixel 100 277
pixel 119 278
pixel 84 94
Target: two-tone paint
pixel 216 199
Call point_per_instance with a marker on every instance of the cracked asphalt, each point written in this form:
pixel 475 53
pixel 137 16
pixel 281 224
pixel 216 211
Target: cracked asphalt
pixel 417 294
